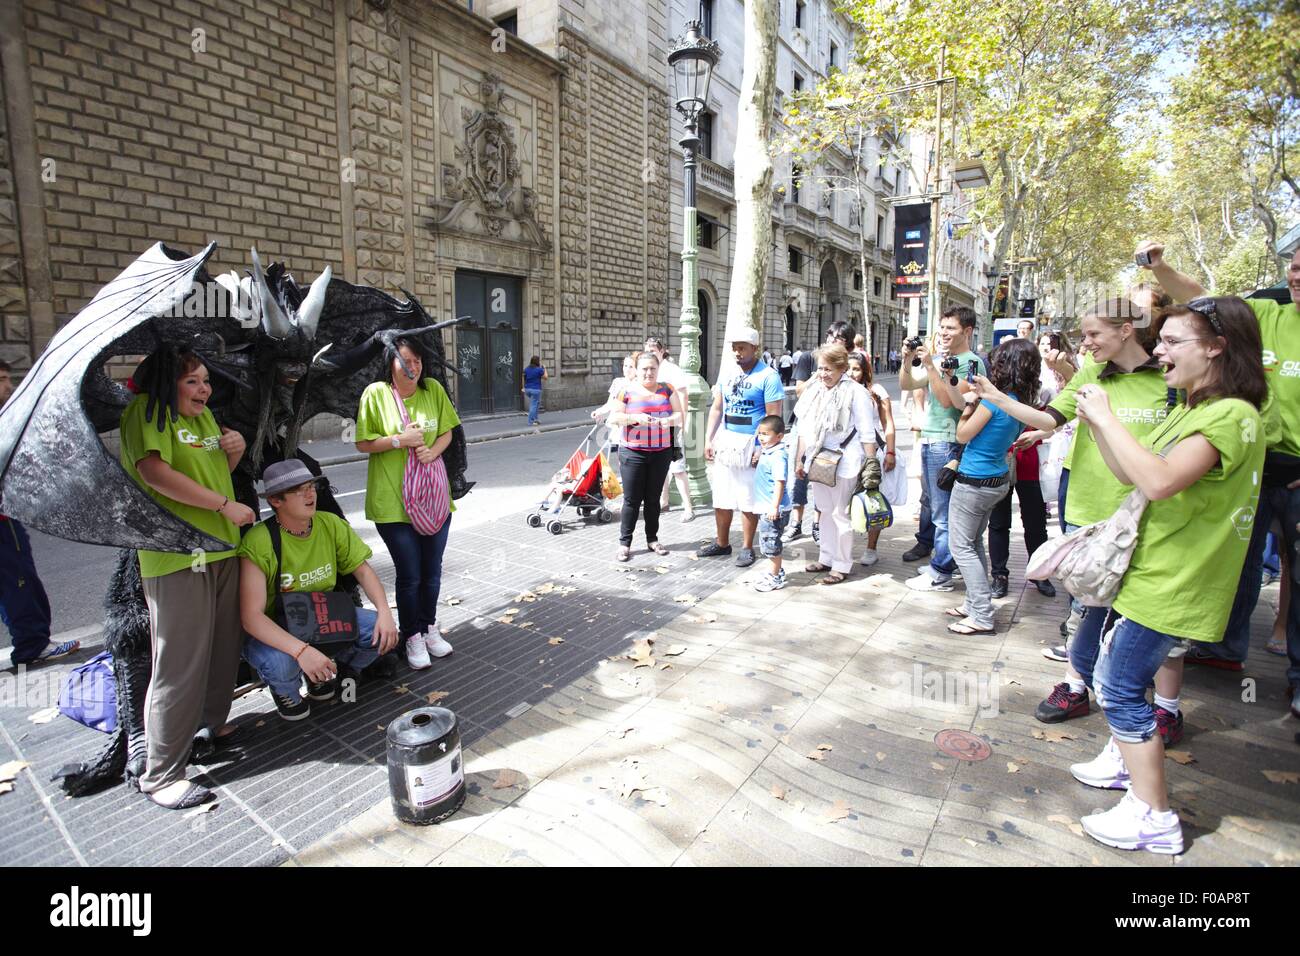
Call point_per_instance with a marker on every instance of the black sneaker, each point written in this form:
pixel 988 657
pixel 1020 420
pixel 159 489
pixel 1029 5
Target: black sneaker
pixel 1046 588
pixel 291 708
pixel 322 691
pixel 998 588
pixel 1062 705
pixel 714 550
pixel 817 532
pixel 916 552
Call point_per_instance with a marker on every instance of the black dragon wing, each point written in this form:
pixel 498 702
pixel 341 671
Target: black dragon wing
pixel 55 473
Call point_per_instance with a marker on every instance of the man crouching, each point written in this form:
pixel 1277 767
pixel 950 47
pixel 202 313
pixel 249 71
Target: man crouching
pixel 314 549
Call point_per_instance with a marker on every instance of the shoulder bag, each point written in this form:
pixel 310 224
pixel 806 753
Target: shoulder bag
pixel 314 617
pixel 425 490
pixel 826 462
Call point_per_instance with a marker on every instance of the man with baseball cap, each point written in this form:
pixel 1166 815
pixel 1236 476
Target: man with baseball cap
pixel 746 392
pixel 315 548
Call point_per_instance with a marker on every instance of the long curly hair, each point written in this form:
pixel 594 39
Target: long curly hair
pixel 1014 367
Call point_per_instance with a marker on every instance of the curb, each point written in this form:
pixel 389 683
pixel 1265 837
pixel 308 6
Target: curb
pixel 474 440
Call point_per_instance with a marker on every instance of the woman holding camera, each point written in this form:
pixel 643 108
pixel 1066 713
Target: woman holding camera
pixel 1200 468
pixel 983 478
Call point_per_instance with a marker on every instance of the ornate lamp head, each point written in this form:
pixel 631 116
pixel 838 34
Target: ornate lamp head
pixel 692 60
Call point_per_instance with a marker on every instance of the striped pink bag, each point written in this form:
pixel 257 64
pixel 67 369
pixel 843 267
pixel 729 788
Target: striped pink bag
pixel 425 491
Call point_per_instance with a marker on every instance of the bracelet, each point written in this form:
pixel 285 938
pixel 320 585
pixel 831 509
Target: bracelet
pixel 224 502
pixel 300 650
pixel 890 454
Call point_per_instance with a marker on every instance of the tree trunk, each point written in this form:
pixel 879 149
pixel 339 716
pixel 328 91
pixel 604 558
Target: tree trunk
pixel 753 176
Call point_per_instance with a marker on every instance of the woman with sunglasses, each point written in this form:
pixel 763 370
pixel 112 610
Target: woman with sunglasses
pixel 1200 468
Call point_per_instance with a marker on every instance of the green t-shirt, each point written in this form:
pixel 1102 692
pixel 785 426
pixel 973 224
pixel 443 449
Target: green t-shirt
pixel 1138 399
pixel 1068 462
pixel 189 445
pixel 940 422
pixel 313 563
pixel 1279 327
pixel 1191 547
pixel 377 417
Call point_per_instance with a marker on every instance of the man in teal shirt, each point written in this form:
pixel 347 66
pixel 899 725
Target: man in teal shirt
pixel 1279 497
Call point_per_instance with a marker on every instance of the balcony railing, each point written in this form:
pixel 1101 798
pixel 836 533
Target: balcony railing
pixel 797 217
pixel 717 178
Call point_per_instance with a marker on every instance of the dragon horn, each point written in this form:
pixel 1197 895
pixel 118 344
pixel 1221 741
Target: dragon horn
pixel 312 306
pixel 274 322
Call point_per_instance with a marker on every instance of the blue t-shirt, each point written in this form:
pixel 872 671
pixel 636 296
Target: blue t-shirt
pixel 773 466
pixel 533 376
pixel 745 397
pixel 986 454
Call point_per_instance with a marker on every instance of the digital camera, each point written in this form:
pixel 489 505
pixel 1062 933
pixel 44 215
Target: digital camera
pixel 912 344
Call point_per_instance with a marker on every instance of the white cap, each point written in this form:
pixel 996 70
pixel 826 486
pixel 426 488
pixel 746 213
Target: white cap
pixel 745 334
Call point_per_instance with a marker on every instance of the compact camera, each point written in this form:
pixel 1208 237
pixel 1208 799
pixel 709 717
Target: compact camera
pixel 1143 258
pixel 912 344
pixel 949 363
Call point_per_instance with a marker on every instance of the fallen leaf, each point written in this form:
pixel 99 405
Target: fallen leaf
pixel 453 601
pixel 836 811
pixel 437 695
pixel 1019 800
pixel 825 747
pixel 505 620
pixel 937 766
pixel 262 723
pixel 785 739
pixel 555 640
pixel 765 668
pixel 970 841
pixel 200 810
pixel 401 689
pixel 674 650
pixel 507 779
pixel 1245 824
pixel 1053 736
pixel 816 755
pixel 880 755
pixel 656 795
pixel 661 569
pixel 689 600
pixel 622 732
pixel 44 716
pixel 778 792
pixel 527 597
pixel 527 624
pixel 1012 768
pixel 708 617
pixel 665 666
pixel 641 654
pixel 1181 756
pixel 10 770
pixel 567 711
pixel 1072 825
pixel 512 611
pixel 6 787
pixel 718 707
pixel 1282 776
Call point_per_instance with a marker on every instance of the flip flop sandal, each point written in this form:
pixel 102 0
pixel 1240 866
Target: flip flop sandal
pixel 835 577
pixel 195 795
pixel 816 568
pixel 656 547
pixel 964 629
pixel 956 612
pixel 1276 647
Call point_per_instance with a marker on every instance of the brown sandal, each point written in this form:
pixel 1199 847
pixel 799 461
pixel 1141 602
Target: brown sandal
pixel 835 577
pixel 817 568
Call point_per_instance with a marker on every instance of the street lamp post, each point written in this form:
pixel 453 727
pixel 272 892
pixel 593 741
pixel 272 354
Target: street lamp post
pixel 692 61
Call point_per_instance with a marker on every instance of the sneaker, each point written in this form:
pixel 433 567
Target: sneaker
pixel 745 557
pixel 1132 825
pixel 924 582
pixel 817 532
pixel 916 552
pixel 1057 652
pixel 794 532
pixel 291 708
pixel 714 550
pixel 435 644
pixel 52 652
pixel 998 587
pixel 1046 588
pixel 322 691
pixel 417 655
pixel 688 514
pixel 869 557
pixel 1219 663
pixel 1061 704
pixel 771 582
pixel 1105 771
pixel 1170 726
pixel 1295 700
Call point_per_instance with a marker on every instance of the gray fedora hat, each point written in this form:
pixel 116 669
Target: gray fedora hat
pixel 284 475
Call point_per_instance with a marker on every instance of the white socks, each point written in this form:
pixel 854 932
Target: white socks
pixel 1169 705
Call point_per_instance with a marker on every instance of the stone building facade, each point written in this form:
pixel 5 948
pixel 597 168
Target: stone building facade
pixel 409 144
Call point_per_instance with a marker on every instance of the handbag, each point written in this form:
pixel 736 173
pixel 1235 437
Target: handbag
pixel 677 452
pixel 425 491
pixel 893 484
pixel 948 473
pixel 89 694
pixel 870 510
pixel 826 462
pixel 314 617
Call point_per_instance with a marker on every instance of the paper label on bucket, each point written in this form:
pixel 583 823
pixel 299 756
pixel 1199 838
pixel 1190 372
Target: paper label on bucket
pixel 429 782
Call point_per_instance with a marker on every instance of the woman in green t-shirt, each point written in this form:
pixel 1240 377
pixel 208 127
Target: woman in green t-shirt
pixel 1200 469
pixel 172 446
pixel 381 434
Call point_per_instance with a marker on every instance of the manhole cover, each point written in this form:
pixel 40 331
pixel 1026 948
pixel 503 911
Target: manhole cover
pixel 962 745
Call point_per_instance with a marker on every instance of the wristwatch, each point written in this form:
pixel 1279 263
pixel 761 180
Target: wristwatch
pixel 397 441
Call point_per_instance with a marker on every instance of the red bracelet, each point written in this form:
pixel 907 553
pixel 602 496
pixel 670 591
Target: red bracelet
pixel 300 650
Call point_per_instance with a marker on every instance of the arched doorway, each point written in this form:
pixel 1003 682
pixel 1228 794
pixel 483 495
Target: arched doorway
pixel 829 303
pixel 706 343
pixel 790 324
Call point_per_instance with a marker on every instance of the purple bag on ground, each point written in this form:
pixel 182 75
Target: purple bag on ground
pixel 89 694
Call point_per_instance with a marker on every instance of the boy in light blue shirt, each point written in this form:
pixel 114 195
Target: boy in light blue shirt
pixel 772 497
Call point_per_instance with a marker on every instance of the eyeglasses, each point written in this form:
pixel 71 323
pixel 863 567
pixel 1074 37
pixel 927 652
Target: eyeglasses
pixel 1206 307
pixel 302 489
pixel 1174 343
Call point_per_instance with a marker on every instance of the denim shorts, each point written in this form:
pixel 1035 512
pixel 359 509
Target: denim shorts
pixel 1127 664
pixel 769 534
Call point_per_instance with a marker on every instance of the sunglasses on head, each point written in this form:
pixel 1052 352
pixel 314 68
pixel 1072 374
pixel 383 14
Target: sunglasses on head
pixel 1206 307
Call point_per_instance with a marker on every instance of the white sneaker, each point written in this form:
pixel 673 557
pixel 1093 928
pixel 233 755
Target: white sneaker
pixel 925 582
pixel 1132 825
pixel 869 558
pixel 1106 770
pixel 434 643
pixel 417 655
pixel 688 514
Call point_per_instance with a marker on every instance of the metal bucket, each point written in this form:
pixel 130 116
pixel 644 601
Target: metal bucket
pixel 426 778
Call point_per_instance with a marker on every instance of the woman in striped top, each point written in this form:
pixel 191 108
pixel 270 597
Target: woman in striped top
pixel 649 410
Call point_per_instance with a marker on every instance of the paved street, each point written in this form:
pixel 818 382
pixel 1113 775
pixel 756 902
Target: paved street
pixel 796 727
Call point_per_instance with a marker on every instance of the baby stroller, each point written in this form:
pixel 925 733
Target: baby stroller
pixel 579 485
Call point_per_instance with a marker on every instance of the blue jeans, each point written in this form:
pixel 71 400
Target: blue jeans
pixel 1086 643
pixel 935 456
pixel 769 534
pixel 799 493
pixel 282 673
pixel 1060 498
pixel 1272 559
pixel 417 559
pixel 1130 656
pixel 24 607
pixel 1276 503
pixel 534 396
pixel 925 533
